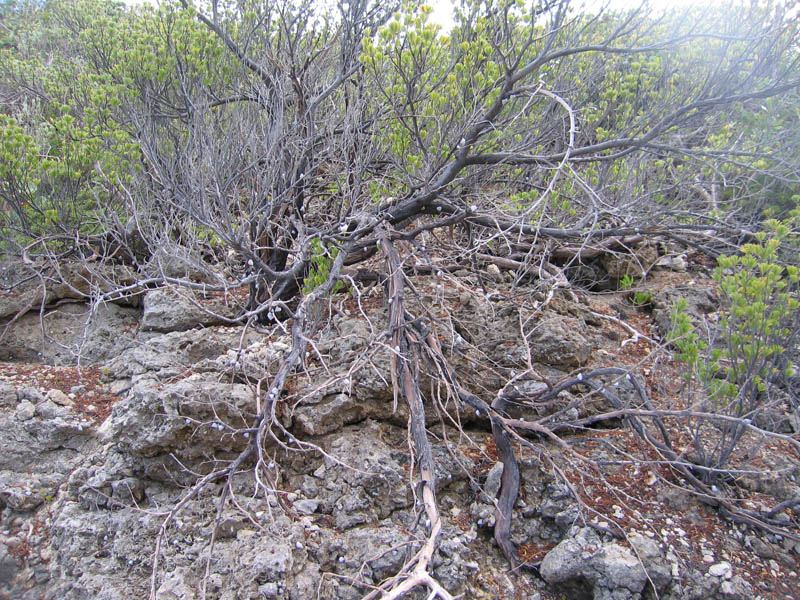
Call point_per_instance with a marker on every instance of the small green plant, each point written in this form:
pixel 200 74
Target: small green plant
pixel 626 283
pixel 322 258
pixel 734 368
pixel 642 298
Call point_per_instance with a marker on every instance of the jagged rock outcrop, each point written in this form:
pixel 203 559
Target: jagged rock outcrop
pixel 166 309
pixel 34 288
pixel 701 302
pixel 588 566
pixel 71 332
pixel 82 502
pixel 41 444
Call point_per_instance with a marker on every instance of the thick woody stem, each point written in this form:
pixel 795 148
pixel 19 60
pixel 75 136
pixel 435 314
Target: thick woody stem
pixel 404 375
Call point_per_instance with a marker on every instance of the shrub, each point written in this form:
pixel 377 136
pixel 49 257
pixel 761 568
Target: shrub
pixel 736 369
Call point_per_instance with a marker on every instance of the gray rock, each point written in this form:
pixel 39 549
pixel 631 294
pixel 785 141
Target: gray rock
pixel 558 341
pixel 25 411
pixel 174 587
pixel 24 443
pixel 493 480
pixel 50 410
pixel 701 586
pixel 268 590
pixel 254 560
pixel 721 569
pixel 169 354
pixel 188 418
pixel 774 419
pixel 31 394
pixel 361 542
pixel 672 263
pixel 678 498
pixel 763 549
pixel 611 571
pixel 39 447
pixel 103 498
pixel 8 395
pixel 101 554
pixel 636 263
pixel 649 552
pixel 701 302
pixel 556 499
pixel 60 398
pixel 71 281
pixel 29 292
pixel 493 271
pixel 735 589
pixel 306 506
pixel 367 485
pixel 178 263
pixel 24 492
pixel 177 310
pixel 332 413
pixel 9 565
pixel 258 360
pixel 72 331
pixel 119 387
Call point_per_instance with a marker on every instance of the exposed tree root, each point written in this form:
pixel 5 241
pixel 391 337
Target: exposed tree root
pixel 405 378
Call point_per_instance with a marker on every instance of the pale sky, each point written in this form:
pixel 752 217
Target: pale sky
pixel 442 8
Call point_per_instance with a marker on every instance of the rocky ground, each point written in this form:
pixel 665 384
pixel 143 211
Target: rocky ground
pixel 105 426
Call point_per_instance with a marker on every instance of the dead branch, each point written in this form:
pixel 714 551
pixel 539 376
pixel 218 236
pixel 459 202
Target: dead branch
pixel 404 376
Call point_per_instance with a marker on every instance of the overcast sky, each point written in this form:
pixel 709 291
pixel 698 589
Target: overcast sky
pixel 442 8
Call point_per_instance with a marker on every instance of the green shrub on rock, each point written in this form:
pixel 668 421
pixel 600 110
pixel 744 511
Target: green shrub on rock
pixel 753 342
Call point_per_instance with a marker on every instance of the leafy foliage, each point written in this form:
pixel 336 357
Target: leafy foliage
pixel 321 260
pixel 626 282
pixel 755 338
pixel 298 136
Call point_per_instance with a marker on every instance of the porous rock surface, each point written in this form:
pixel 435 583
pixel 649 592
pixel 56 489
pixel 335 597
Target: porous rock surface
pixel 610 570
pixel 82 502
pixel 169 310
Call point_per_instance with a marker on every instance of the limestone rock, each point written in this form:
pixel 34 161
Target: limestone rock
pixel 558 341
pixel 74 280
pixel 8 395
pixel 187 418
pixel 493 271
pixel 653 560
pixel 178 263
pixel 672 263
pixel 169 354
pixel 493 479
pixel 701 302
pixel 171 310
pixel 330 414
pixel 611 571
pixel 40 444
pixel 175 587
pixel 366 485
pixel 25 411
pixel 71 331
pixel 321 519
pixel 59 397
pixel 721 569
